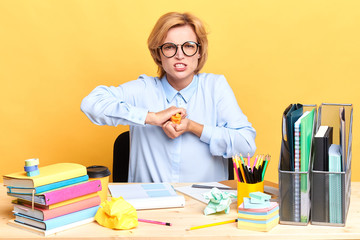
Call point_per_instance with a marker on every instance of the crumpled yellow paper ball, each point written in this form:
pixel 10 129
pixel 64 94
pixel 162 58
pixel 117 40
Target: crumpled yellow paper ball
pixel 117 214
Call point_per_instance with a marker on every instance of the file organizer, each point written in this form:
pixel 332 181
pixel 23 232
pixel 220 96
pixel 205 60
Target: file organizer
pixel 321 200
pixel 294 205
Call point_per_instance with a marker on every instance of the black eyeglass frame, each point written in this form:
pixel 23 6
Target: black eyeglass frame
pixel 182 48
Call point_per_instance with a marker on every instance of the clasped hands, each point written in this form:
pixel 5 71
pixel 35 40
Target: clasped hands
pixel 173 130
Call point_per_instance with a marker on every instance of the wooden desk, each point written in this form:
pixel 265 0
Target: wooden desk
pixel 191 215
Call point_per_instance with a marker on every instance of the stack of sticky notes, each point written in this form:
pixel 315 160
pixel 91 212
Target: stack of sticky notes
pixel 258 213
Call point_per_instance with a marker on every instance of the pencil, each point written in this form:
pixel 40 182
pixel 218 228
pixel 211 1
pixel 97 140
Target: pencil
pixel 242 159
pixel 155 222
pixel 259 161
pixel 242 170
pixel 211 224
pixel 235 169
pixel 265 166
pixel 210 187
pixel 256 158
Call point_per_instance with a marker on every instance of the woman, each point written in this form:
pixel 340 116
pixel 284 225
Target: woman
pixel 212 125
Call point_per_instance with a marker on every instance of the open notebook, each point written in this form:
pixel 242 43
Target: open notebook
pixel 148 195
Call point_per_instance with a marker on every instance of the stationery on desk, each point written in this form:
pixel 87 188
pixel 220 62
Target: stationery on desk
pixel 312 139
pixel 343 138
pixel 247 174
pixel 306 135
pixel 322 141
pixel 258 213
pixel 70 200
pixel 330 167
pixel 62 194
pixel 291 114
pixel 46 214
pixel 47 187
pixel 297 157
pixel 55 205
pixel 335 185
pixel 320 198
pixel 59 221
pixel 48 174
pixel 298 129
pixel 148 195
pixel 196 191
pixel 211 224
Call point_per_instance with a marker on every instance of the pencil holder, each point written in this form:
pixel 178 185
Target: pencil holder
pixel 244 189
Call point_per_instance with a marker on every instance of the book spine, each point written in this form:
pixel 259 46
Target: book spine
pixel 71 218
pixel 58 221
pixel 47 187
pixel 72 192
pixel 72 207
pixel 63 171
pixel 60 184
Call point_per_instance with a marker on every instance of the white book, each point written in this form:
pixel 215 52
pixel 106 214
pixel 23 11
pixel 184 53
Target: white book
pixel 51 231
pixel 148 195
pixel 197 193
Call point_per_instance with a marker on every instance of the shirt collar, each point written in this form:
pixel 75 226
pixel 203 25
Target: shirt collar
pixel 186 93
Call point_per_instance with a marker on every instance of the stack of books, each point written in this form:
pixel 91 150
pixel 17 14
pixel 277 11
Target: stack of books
pixel 258 213
pixel 59 198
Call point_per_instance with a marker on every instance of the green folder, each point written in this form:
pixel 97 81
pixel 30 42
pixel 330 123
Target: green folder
pixel 306 135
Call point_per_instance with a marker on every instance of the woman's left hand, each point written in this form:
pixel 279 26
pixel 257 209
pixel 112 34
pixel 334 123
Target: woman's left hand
pixel 173 130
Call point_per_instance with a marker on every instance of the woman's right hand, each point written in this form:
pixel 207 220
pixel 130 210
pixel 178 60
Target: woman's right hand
pixel 159 118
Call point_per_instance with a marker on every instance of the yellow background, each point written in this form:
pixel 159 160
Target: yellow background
pixel 273 53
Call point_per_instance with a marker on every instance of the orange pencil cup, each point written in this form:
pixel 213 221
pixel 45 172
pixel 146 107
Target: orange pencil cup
pixel 244 189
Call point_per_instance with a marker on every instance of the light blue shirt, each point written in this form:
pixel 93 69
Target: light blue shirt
pixel 154 157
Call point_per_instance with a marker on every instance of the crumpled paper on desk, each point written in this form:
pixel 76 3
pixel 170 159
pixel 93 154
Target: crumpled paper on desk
pixel 218 201
pixel 117 214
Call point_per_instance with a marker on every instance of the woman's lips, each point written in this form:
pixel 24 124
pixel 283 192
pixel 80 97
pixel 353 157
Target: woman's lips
pixel 180 66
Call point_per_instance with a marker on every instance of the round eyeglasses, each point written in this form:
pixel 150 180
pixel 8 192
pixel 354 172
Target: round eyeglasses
pixel 189 48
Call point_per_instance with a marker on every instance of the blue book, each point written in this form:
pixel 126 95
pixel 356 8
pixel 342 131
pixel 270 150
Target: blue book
pixel 58 221
pixel 47 187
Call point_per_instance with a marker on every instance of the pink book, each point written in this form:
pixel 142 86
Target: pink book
pixel 45 214
pixel 62 194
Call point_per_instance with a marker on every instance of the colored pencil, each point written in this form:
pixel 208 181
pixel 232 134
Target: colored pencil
pixel 210 187
pixel 211 224
pixel 265 166
pixel 242 170
pixel 247 174
pixel 236 171
pixel 155 222
pixel 242 159
pixel 256 158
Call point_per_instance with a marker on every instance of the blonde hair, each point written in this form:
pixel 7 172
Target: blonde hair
pixel 175 19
